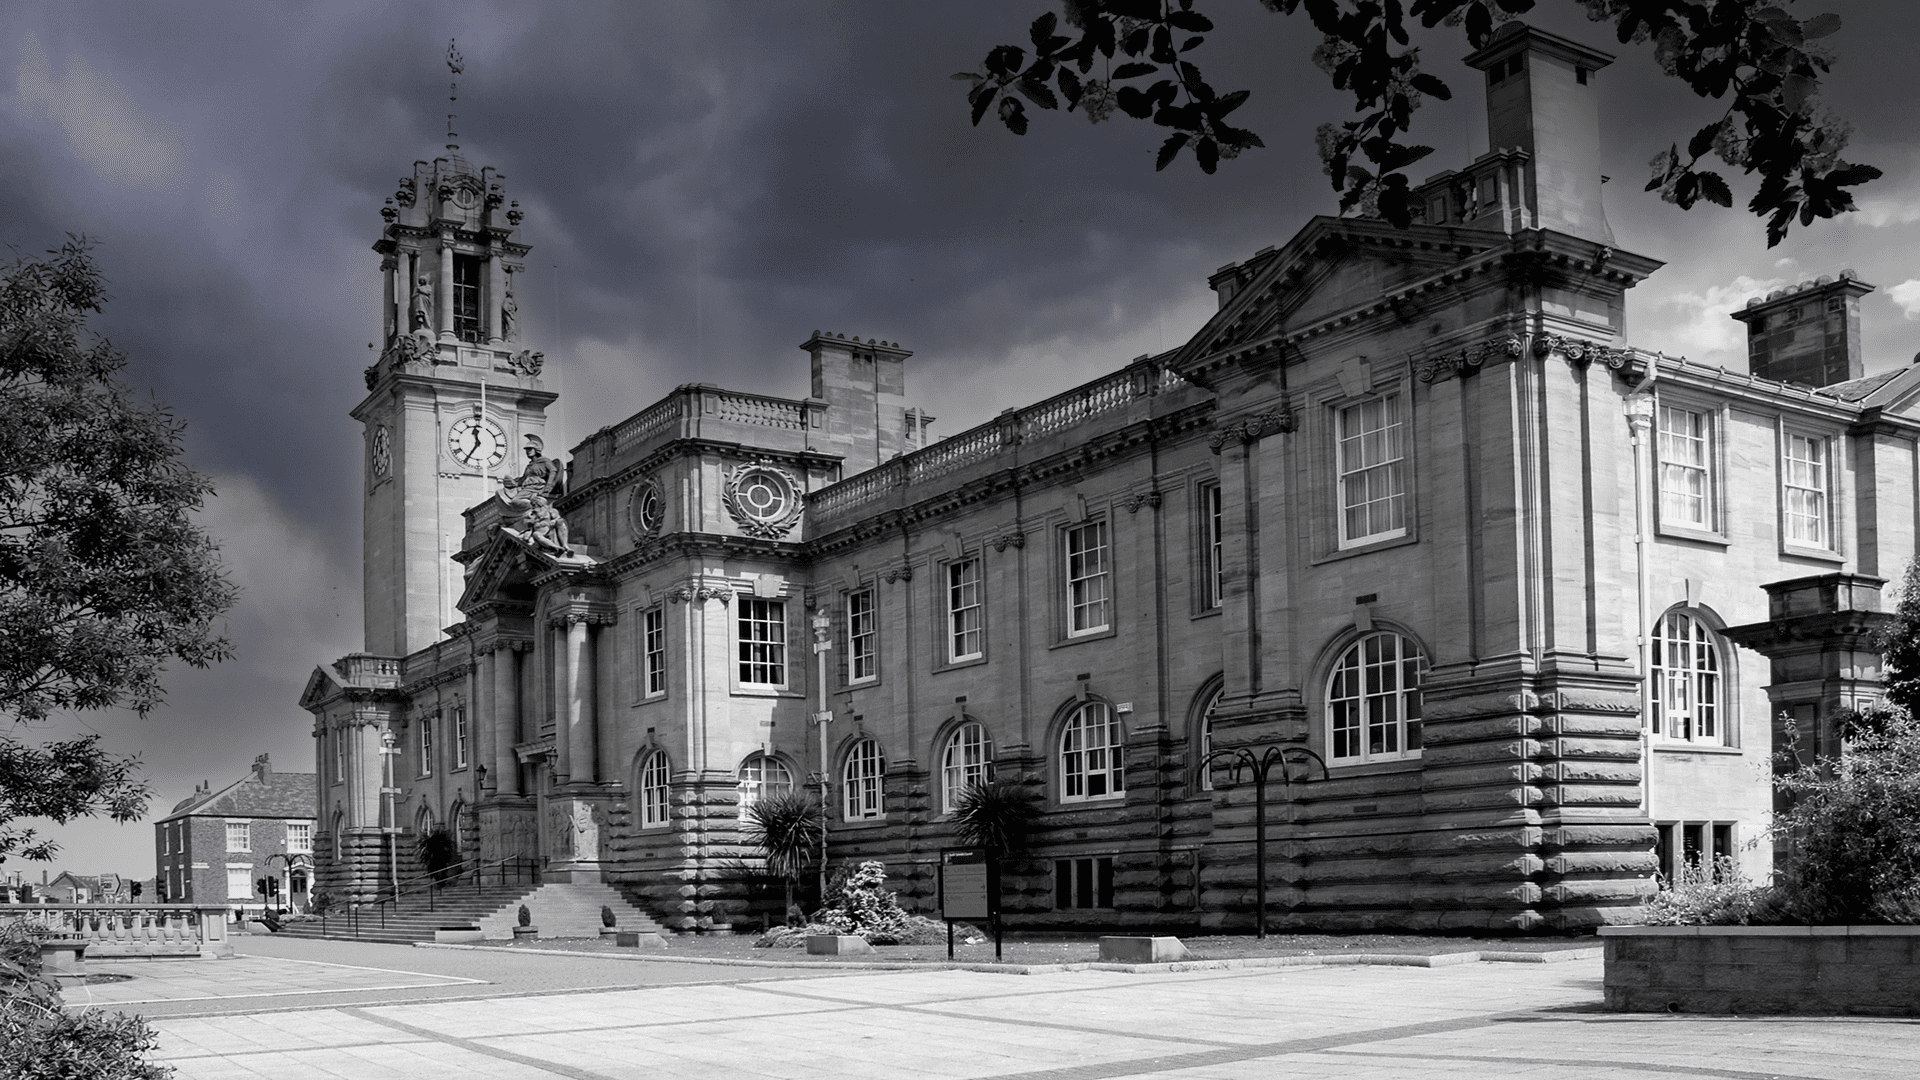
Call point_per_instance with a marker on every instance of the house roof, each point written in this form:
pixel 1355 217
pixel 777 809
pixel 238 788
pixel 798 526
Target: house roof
pixel 278 795
pixel 1859 389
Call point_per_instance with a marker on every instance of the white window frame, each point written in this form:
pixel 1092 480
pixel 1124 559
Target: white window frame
pixel 863 636
pixel 1088 564
pixel 1092 753
pixel 757 780
pixel 762 628
pixel 460 737
pixel 1370 470
pixel 1370 693
pixel 1687 482
pixel 656 778
pixel 653 652
pixel 1687 688
pixel 245 834
pixel 966 760
pixel 1206 737
pixel 303 829
pixel 339 756
pixel 863 781
pixel 1213 578
pixel 425 746
pixel 1806 490
pixel 966 611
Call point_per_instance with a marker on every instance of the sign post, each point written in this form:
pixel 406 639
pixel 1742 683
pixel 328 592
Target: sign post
pixel 967 892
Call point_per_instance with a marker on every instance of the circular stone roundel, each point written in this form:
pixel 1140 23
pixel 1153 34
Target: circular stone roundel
pixel 646 509
pixel 764 499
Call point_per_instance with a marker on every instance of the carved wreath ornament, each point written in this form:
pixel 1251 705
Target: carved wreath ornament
pixel 763 499
pixel 646 509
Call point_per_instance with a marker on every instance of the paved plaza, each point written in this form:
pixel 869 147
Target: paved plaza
pixel 341 1009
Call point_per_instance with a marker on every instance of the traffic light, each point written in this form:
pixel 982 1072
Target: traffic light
pixel 136 890
pixel 267 886
pixel 260 885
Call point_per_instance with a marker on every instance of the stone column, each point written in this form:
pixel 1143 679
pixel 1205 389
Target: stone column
pixel 561 762
pixel 579 705
pixel 388 314
pixel 496 294
pixel 443 292
pixel 505 720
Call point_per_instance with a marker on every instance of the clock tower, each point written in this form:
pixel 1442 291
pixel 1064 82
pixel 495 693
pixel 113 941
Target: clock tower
pixel 452 399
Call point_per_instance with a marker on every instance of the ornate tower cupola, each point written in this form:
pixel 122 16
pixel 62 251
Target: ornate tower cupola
pixel 454 395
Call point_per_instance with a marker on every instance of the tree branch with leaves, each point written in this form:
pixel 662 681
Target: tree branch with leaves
pixel 1753 54
pixel 105 577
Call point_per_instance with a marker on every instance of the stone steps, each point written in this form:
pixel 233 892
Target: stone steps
pixel 560 909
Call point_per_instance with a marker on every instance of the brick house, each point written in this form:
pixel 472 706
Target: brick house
pixel 216 844
pixel 1527 599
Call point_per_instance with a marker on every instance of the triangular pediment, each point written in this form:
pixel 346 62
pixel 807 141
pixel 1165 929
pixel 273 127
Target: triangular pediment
pixel 1332 266
pixel 503 573
pixel 322 686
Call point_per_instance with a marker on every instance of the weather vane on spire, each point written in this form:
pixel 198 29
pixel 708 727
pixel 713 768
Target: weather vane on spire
pixel 456 64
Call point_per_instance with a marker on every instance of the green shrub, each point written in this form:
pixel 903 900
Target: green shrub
pixel 1852 829
pixel 42 1040
pixel 860 904
pixel 1715 895
pixel 606 915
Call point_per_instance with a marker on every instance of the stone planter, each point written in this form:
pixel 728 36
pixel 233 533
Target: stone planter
pixel 1758 970
pixel 1142 950
pixel 525 933
pixel 63 959
pixel 837 945
pixel 634 939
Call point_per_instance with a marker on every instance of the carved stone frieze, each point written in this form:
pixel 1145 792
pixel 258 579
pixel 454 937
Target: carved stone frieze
pixel 527 362
pixel 681 594
pixel 1628 365
pixel 899 573
pixel 1134 502
pixel 560 620
pixel 1253 428
pixel 1011 539
pixel 1442 366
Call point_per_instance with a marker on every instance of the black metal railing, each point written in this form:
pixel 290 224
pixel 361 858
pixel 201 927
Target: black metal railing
pixel 436 884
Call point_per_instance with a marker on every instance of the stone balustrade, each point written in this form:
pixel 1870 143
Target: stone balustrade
pixel 137 930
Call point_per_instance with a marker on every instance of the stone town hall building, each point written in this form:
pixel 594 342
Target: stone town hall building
pixel 1407 501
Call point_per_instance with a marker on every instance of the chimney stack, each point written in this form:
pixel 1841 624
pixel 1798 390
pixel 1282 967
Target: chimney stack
pixel 1541 102
pixel 1808 333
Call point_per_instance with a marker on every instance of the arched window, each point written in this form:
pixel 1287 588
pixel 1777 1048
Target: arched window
pixel 1686 680
pixel 1373 700
pixel 761 776
pixel 865 768
pixel 966 761
pixel 654 776
pixel 1091 749
pixel 1206 739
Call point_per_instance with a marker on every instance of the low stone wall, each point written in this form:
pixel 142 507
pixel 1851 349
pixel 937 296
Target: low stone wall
pixel 1809 970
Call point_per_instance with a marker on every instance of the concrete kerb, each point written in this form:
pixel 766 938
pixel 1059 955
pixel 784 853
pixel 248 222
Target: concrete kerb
pixel 853 966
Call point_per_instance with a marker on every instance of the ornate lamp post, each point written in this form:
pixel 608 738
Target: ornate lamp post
pixel 1261 765
pixel 389 748
pixel 822 645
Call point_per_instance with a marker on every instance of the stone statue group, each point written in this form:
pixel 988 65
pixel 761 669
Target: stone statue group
pixel 528 500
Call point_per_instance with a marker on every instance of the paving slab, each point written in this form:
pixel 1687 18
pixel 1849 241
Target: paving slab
pixel 1471 1021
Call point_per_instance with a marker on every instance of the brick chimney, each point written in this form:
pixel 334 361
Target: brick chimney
pixel 262 769
pixel 1808 333
pixel 1542 110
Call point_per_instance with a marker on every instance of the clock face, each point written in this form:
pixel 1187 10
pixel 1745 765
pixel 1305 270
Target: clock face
pixel 382 452
pixel 473 442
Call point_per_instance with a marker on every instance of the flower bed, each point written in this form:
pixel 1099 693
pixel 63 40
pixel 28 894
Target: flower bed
pixel 1756 970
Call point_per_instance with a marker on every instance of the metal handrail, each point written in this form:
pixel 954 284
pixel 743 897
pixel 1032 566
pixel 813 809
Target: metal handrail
pixel 437 883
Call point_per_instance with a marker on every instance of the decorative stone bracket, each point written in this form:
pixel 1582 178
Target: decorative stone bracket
pixel 1252 429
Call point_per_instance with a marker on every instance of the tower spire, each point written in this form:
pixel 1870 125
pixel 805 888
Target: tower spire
pixel 455 64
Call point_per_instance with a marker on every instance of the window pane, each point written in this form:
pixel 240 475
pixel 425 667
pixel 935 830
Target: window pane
pixel 1371 451
pixel 1375 685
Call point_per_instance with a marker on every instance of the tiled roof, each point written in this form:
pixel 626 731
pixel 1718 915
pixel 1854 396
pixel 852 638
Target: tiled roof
pixel 1858 389
pixel 283 795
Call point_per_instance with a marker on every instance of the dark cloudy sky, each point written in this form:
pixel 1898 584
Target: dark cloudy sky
pixel 705 184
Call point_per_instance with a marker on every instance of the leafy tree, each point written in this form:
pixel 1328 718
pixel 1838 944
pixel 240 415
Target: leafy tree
pixel 104 577
pixel 1853 829
pixel 1762 61
pixel 787 828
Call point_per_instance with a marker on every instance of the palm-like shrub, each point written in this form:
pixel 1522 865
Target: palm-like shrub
pixel 787 829
pixel 996 817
